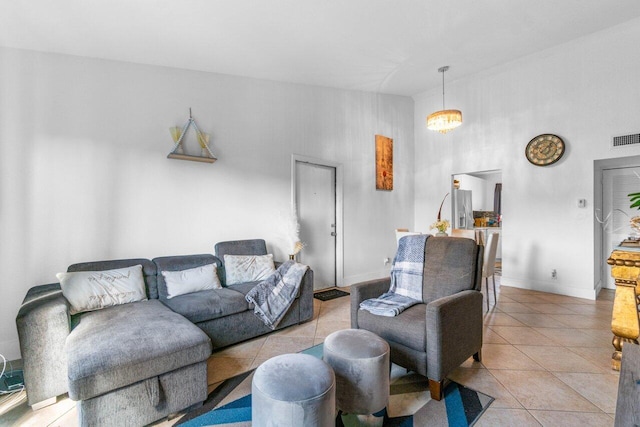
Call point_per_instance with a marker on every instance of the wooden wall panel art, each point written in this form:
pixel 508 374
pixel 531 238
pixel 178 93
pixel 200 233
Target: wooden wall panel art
pixel 384 163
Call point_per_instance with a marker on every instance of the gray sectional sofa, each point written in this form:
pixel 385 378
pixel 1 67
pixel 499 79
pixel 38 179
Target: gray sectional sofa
pixel 135 363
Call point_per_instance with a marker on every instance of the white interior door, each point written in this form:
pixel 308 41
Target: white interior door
pixel 616 185
pixel 316 205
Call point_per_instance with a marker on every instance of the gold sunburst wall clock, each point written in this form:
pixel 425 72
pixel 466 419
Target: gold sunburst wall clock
pixel 545 149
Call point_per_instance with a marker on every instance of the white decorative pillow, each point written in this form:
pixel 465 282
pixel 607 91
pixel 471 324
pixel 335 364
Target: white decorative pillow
pixel 191 280
pixel 248 268
pixel 94 290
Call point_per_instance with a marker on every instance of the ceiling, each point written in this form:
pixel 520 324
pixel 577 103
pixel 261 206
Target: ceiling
pixel 387 46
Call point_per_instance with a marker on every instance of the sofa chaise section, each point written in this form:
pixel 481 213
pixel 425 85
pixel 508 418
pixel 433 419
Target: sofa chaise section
pixel 125 365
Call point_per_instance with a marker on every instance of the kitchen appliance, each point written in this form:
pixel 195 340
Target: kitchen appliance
pixel 462 209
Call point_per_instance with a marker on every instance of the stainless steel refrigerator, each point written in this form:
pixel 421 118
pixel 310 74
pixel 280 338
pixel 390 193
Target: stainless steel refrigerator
pixel 462 209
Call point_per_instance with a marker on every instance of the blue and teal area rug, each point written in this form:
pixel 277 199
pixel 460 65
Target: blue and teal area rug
pixel 410 404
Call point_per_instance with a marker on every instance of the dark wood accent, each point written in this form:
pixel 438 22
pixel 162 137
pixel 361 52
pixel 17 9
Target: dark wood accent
pixel 478 356
pixel 435 387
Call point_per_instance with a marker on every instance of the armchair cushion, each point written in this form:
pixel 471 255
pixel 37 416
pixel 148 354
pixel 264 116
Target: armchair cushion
pixel 449 267
pixel 408 328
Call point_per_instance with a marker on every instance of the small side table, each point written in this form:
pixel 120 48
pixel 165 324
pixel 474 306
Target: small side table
pixel 625 320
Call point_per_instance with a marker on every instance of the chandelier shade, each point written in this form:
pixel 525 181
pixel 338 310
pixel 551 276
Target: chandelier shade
pixel 444 120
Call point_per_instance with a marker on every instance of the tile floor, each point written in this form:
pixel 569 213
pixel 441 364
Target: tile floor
pixel 546 360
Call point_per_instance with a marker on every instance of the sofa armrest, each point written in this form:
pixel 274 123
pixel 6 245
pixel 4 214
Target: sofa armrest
pixel 43 324
pixel 305 300
pixel 454 332
pixel 364 291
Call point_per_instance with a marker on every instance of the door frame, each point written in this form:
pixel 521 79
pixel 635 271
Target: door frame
pixel 296 158
pixel 600 258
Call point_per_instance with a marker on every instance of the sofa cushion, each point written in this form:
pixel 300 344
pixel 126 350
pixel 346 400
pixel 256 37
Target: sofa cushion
pixel 239 247
pixel 122 345
pixel 248 268
pixel 148 270
pixel 95 290
pixel 181 262
pixel 408 328
pixel 191 280
pixel 207 305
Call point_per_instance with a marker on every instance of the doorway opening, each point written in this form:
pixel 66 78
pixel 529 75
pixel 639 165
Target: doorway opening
pixel 476 204
pixel 317 194
pixel 614 180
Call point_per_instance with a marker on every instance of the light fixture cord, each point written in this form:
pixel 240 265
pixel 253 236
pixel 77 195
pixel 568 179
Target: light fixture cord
pixel 443 90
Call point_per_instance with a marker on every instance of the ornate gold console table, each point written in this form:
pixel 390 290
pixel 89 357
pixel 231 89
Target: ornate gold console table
pixel 625 320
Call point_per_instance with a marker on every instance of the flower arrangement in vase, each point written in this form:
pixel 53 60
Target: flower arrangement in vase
pixel 441 224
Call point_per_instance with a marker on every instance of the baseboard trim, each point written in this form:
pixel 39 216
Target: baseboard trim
pixel 44 403
pixel 551 288
pixel 351 280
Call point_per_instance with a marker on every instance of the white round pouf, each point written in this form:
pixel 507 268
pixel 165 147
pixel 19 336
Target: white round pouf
pixel 293 390
pixel 360 360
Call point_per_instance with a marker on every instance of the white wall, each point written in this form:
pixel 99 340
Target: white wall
pixel 586 92
pixel 84 174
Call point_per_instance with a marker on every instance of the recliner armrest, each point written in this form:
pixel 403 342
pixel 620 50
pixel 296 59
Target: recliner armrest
pixel 43 324
pixel 364 291
pixel 454 331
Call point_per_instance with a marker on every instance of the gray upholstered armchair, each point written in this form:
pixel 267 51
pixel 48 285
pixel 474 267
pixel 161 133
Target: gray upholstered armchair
pixel 434 337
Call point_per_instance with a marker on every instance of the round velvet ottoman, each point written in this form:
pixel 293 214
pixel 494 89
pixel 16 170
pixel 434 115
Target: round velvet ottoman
pixel 360 360
pixel 293 390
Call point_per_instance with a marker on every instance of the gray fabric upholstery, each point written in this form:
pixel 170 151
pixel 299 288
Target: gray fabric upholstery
pixel 43 325
pixel 105 344
pixel 228 330
pixel 293 390
pixel 407 329
pixel 207 305
pixel 454 331
pixel 179 263
pixel 148 400
pixel 363 291
pixel 238 247
pixel 148 270
pixel 360 360
pixel 136 341
pixel 445 269
pixel 434 338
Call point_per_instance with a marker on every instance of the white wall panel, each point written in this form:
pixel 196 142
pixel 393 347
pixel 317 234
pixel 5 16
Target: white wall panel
pixel 586 92
pixel 84 174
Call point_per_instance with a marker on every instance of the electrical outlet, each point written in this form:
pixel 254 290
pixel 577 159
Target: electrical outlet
pixel 554 274
pixel 385 261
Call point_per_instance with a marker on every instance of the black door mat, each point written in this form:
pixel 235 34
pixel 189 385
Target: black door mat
pixel 330 294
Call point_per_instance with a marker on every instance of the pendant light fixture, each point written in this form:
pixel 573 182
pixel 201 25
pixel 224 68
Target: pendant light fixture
pixel 444 120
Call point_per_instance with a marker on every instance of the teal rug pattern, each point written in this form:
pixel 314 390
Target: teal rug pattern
pixel 410 404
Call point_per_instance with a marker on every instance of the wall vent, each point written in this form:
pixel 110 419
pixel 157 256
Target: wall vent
pixel 624 140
